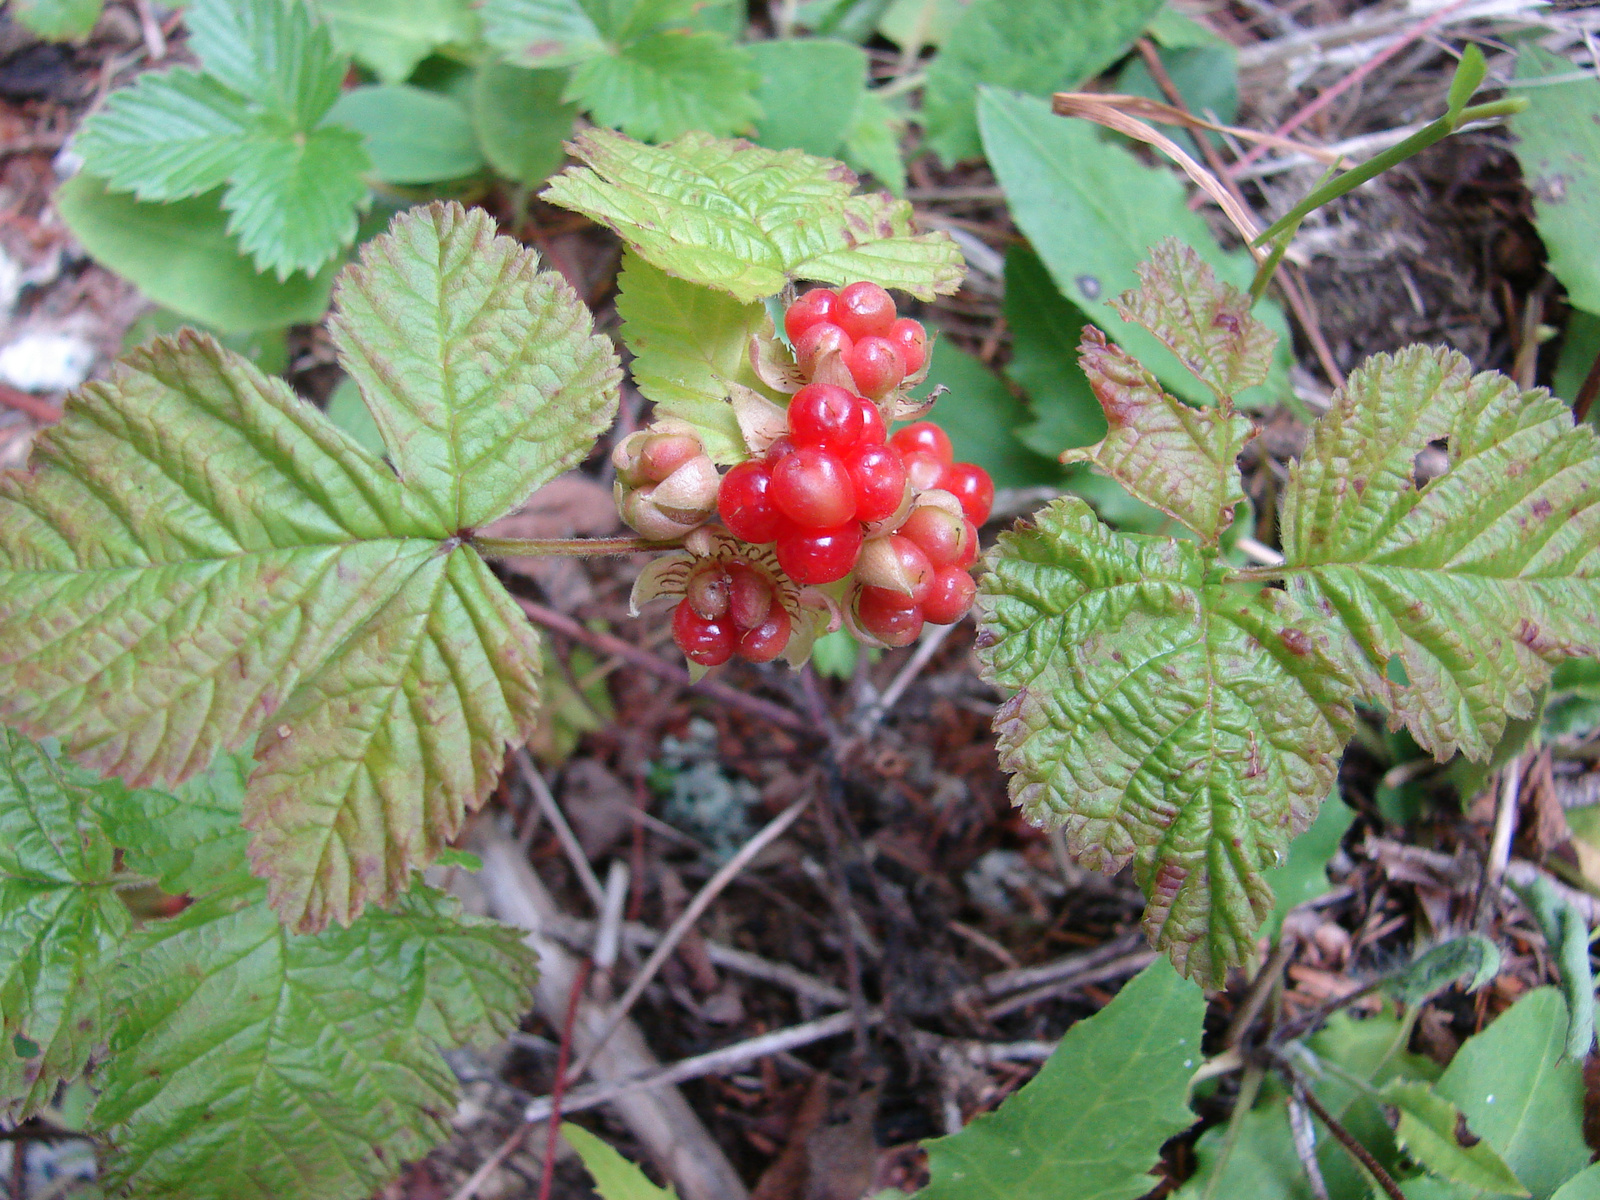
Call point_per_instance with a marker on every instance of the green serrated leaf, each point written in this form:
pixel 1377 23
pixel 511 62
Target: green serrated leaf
pixel 1559 149
pixel 189 839
pixel 615 1178
pixel 1185 726
pixel 1045 331
pixel 195 553
pixel 411 135
pixel 270 52
pixel 484 373
pixel 1519 1095
pixel 249 1061
pixel 1172 457
pixel 749 220
pixel 1092 1122
pixel 168 136
pixel 541 33
pixel 1435 1134
pixel 392 36
pixel 809 93
pixel 292 199
pixel 1479 581
pixel 63 925
pixel 1093 212
pixel 1036 46
pixel 667 84
pixel 872 143
pixel 689 343
pixel 58 20
pixel 521 121
pixel 1206 323
pixel 181 256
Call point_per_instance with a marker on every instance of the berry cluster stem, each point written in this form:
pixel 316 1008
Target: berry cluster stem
pixel 493 547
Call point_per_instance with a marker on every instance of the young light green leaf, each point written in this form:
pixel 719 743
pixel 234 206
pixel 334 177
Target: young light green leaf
pixel 1159 718
pixel 1172 457
pixel 1093 211
pixel 1205 322
pixel 1476 583
pixel 250 1061
pixel 1435 1134
pixel 411 135
pixel 58 20
pixel 62 929
pixel 1092 1122
pixel 393 36
pixel 521 120
pixel 615 1178
pixel 181 256
pixel 669 83
pixel 689 343
pixel 271 53
pixel 541 33
pixel 196 552
pixel 484 373
pixel 168 136
pixel 749 220
pixel 1520 1095
pixel 189 839
pixel 810 91
pixel 292 198
pixel 1440 966
pixel 1559 149
pixel 1037 46
pixel 872 143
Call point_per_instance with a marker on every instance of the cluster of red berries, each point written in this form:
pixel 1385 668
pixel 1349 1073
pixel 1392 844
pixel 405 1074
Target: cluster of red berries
pixel 728 609
pixel 837 494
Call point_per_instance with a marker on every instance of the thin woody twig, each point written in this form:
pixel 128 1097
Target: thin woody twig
pixel 568 839
pixel 669 941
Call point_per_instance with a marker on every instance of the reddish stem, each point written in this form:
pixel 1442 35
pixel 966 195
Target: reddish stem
pixel 40 410
pixel 547 1175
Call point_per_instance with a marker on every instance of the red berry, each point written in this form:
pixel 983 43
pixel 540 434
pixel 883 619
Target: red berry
pixel 971 485
pixel 949 597
pixel 749 597
pixel 875 363
pixel 895 565
pixel 912 341
pixel 744 501
pixel 873 431
pixel 767 640
pixel 944 537
pixel 826 416
pixel 817 305
pixel 813 489
pixel 709 643
pixel 865 310
pixel 926 437
pixel 880 481
pixel 821 338
pixel 923 469
pixel 890 624
pixel 780 447
pixel 821 556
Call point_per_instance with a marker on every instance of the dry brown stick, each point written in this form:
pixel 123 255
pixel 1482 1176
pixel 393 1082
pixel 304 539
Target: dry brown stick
pixel 606 643
pixel 558 819
pixel 708 892
pixel 1348 1140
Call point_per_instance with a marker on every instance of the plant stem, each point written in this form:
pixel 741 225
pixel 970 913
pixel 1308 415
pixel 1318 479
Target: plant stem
pixel 1417 142
pixel 1249 1088
pixel 1348 1140
pixel 493 547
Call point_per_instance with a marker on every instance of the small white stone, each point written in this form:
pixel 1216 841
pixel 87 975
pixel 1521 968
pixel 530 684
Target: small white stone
pixel 46 362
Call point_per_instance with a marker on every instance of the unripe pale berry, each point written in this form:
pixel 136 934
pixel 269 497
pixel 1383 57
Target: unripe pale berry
pixel 750 597
pixel 895 565
pixel 943 536
pixel 876 365
pixel 822 338
pixel 924 470
pixel 707 593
